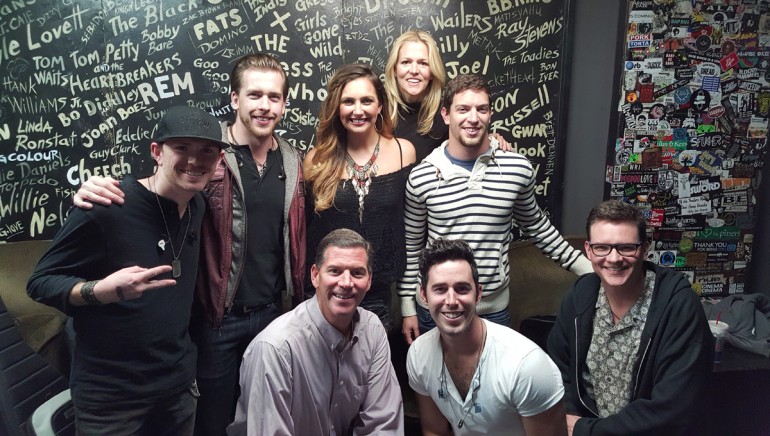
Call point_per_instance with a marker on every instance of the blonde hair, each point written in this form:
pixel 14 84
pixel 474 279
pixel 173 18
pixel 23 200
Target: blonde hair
pixel 432 100
pixel 258 62
pixel 328 163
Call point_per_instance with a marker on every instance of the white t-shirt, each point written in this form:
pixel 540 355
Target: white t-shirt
pixel 515 378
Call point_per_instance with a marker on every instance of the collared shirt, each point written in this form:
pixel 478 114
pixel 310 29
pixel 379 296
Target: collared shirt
pixel 613 353
pixel 301 377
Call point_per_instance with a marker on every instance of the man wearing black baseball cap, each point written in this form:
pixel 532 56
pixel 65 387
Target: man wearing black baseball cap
pixel 253 235
pixel 126 275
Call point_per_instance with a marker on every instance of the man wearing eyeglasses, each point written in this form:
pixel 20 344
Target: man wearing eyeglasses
pixel 631 340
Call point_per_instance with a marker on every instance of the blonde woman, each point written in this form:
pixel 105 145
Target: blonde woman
pixel 356 175
pixel 414 79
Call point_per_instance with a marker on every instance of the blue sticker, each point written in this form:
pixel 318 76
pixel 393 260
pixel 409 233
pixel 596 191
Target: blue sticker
pixel 682 95
pixel 710 83
pixel 667 258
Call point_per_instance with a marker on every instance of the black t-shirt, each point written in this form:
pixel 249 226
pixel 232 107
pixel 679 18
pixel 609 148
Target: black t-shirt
pixel 263 278
pixel 132 350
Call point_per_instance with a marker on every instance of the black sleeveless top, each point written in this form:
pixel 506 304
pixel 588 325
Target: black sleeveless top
pixel 382 225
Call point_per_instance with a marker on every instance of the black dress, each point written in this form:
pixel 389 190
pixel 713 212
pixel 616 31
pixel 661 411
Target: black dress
pixel 382 226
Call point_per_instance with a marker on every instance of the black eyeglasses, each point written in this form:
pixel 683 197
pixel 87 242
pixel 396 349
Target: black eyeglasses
pixel 602 250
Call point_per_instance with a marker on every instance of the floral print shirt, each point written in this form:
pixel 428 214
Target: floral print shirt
pixel 613 353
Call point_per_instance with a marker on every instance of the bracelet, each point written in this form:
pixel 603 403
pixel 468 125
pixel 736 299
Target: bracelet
pixel 87 292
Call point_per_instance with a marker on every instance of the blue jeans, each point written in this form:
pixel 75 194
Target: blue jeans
pixel 426 322
pixel 219 361
pixel 173 415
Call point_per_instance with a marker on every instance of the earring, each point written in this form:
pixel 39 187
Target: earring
pixel 381 119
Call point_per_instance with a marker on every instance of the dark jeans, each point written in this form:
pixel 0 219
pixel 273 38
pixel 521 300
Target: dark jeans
pixel 379 304
pixel 426 322
pixel 219 361
pixel 173 416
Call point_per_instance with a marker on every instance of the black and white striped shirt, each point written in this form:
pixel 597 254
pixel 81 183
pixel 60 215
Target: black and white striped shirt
pixel 481 207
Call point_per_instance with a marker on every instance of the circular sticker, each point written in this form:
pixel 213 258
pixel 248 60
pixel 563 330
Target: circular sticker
pixel 707 69
pixel 667 258
pixel 631 96
pixel 685 245
pixel 763 104
pixel 688 157
pixel 728 47
pixel 621 157
pixel 703 43
pixel 682 95
pixel 657 111
pixel 637 108
pixel 700 100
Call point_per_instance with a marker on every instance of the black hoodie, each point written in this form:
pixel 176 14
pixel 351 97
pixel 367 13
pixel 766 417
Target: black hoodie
pixel 675 358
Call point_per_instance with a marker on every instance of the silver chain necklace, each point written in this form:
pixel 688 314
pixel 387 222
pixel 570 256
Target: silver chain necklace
pixel 176 264
pixel 461 421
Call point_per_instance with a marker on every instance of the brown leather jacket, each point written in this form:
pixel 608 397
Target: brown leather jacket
pixel 223 233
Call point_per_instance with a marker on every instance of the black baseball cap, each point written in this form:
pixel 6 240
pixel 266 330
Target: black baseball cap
pixel 189 122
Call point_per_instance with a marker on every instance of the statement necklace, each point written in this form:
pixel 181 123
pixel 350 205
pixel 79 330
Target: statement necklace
pixel 176 264
pixel 361 176
pixel 261 166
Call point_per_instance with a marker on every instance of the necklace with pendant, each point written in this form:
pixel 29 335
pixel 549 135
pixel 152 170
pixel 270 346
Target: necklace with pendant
pixel 176 264
pixel 475 406
pixel 361 176
pixel 261 166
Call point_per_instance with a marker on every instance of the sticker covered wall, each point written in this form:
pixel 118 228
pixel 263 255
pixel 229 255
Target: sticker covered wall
pixel 83 82
pixel 693 120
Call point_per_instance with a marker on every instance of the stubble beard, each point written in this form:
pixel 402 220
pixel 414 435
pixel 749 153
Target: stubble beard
pixel 257 132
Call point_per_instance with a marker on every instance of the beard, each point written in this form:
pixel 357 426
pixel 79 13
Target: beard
pixel 256 131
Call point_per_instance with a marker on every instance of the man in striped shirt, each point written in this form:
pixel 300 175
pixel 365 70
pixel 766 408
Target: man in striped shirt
pixel 469 189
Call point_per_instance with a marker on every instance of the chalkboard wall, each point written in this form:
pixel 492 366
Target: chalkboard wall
pixel 85 82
